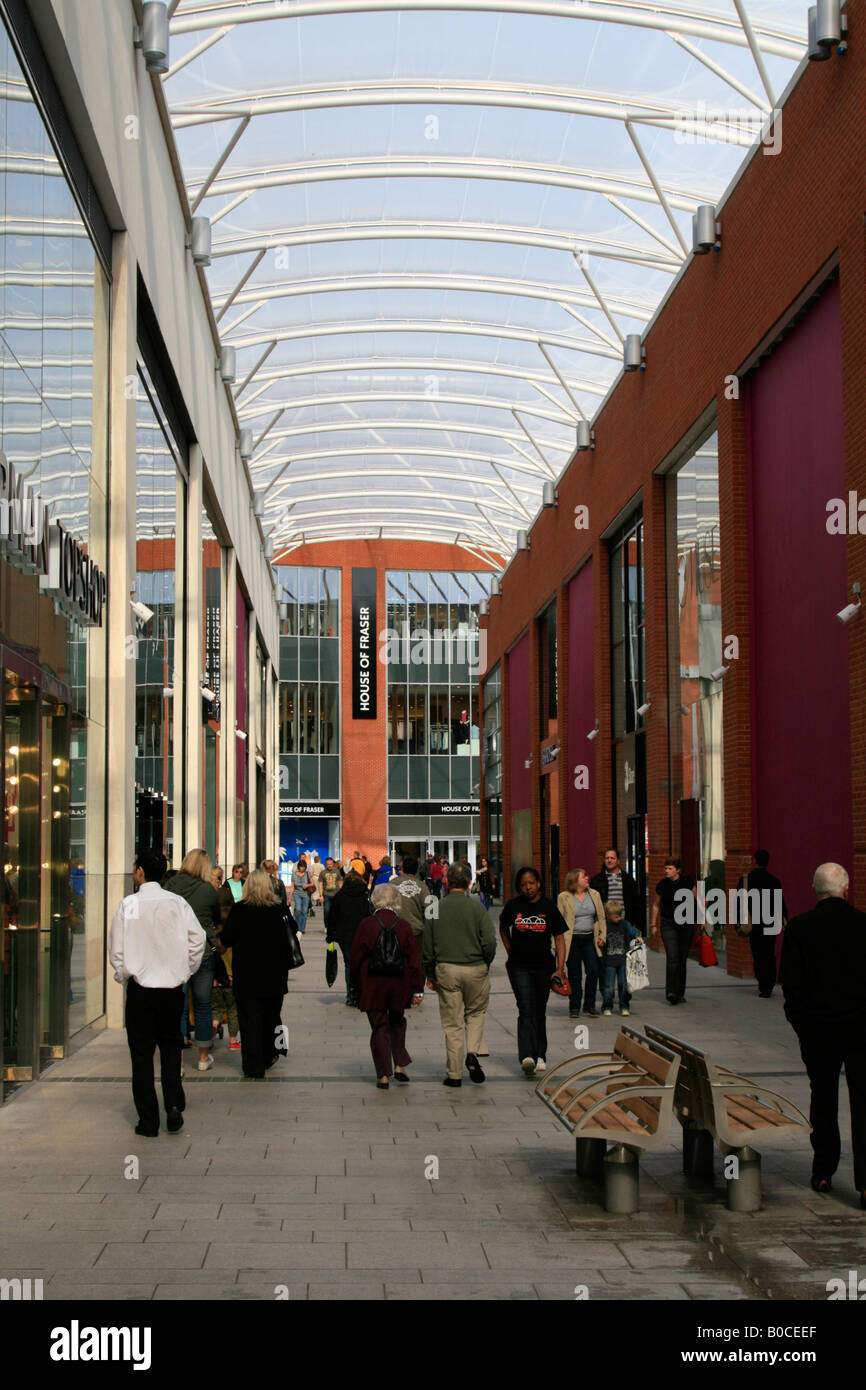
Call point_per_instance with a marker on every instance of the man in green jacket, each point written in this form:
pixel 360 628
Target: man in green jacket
pixel 458 946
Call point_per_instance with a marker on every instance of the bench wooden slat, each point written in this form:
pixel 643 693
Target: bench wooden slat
pixel 753 1117
pixel 613 1116
pixel 656 1067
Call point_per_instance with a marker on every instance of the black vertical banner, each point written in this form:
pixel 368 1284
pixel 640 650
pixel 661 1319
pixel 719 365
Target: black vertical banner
pixel 363 644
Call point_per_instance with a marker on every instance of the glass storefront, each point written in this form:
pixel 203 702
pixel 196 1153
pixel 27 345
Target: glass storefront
pixel 696 639
pixel 491 760
pixel 160 489
pixel 54 306
pixel 309 690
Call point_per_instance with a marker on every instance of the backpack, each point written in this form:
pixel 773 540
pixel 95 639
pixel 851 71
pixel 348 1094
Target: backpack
pixel 386 957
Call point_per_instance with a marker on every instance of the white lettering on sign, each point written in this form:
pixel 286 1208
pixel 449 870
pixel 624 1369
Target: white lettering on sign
pixel 364 657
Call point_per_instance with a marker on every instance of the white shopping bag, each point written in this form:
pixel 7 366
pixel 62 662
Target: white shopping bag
pixel 636 971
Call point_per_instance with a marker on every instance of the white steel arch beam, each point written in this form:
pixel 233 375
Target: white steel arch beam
pixel 386 471
pixel 448 231
pixel 408 92
pixel 496 500
pixel 418 397
pixel 420 364
pixel 454 167
pixel 438 426
pixel 775 40
pixel 478 284
pixel 473 330
pixel 472 527
pixel 428 451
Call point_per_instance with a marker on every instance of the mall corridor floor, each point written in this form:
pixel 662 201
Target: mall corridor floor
pixel 313 1184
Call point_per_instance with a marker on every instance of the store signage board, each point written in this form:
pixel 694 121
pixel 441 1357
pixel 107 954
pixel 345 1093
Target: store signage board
pixel 310 808
pixel 364 668
pixel 32 542
pixel 433 808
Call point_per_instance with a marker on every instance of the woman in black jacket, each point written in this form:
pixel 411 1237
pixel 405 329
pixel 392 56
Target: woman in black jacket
pixel 256 931
pixel 348 909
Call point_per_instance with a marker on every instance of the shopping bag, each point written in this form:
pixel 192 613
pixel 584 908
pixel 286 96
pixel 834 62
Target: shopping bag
pixel 636 970
pixel 706 951
pixel 295 954
pixel 331 964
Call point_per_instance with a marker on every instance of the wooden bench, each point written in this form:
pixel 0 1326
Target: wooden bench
pixel 623 1098
pixel 716 1105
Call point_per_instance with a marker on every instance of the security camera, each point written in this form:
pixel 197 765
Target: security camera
pixel 207 694
pixel 593 733
pixel 239 733
pixel 141 610
pixel 719 672
pixel 848 612
pixel 642 709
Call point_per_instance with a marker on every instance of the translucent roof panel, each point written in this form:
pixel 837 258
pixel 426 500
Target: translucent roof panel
pixel 433 225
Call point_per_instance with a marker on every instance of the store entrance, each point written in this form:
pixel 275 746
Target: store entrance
pixel 34 931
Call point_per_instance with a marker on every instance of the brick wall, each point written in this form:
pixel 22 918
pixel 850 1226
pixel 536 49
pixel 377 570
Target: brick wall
pixel 789 217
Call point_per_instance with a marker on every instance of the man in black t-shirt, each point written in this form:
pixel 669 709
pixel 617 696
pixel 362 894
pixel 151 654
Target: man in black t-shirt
pixel 529 925
pixel 675 917
pixel 764 934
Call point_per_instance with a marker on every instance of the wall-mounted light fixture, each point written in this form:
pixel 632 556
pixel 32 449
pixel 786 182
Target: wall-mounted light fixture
pixel 227 364
pixel 198 241
pixel 152 36
pixel 484 607
pixel 284 612
pixel 258 504
pixel 245 444
pixel 706 231
pixel 523 540
pixel 548 494
pixel 496 586
pixel 828 27
pixel 585 436
pixel 851 609
pixel 633 354
pixel 269 549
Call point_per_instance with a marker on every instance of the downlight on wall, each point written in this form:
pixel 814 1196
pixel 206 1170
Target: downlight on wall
pixel 828 29
pixel 227 364
pixel 585 436
pixel 152 36
pixel 851 609
pixel 245 444
pixel 522 540
pixel 706 231
pixel 633 354
pixel 198 241
pixel 548 495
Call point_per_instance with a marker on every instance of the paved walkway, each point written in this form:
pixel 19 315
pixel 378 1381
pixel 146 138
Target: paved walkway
pixel 315 1180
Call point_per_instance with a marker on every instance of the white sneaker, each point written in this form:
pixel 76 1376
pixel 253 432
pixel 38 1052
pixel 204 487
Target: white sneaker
pixel 206 1064
pixel 528 1066
pixel 625 1013
pixel 541 1065
pixel 605 1013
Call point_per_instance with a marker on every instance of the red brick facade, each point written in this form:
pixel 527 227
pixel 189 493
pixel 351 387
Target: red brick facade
pixel 790 220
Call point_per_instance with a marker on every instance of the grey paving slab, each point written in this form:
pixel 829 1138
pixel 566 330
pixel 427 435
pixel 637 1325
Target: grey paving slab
pixel 68 1292
pixel 314 1179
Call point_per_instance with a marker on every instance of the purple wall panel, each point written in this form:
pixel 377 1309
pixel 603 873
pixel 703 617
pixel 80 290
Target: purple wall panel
pixel 579 750
pixel 518 725
pixel 241 644
pixel 801 782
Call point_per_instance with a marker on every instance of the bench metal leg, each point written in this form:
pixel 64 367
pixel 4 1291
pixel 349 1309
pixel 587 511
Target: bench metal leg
pixel 590 1158
pixel 744 1184
pixel 621 1179
pixel 697 1152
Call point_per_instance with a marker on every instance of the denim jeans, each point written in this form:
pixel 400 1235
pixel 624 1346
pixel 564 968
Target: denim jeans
pixel 485 901
pixel 611 976
pixel 201 986
pixel 531 990
pixel 582 960
pixel 300 907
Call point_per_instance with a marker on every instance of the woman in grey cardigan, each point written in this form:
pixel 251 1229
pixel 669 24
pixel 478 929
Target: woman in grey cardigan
pixel 193 882
pixel 583 910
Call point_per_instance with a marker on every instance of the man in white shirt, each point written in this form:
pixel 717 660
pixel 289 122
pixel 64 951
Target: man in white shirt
pixel 155 945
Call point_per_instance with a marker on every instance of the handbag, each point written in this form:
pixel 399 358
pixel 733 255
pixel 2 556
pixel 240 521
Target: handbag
pixel 295 955
pixel 560 985
pixel 706 950
pixel 636 969
pixel 331 964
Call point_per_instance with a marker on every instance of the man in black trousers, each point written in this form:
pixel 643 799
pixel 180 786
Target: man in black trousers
pixel 765 926
pixel 823 978
pixel 155 945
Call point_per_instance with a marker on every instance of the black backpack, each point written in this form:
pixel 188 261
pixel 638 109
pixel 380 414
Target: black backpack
pixel 386 957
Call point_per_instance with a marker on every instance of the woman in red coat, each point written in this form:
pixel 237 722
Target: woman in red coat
pixel 384 998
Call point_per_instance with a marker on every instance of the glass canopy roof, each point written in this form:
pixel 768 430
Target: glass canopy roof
pixel 434 224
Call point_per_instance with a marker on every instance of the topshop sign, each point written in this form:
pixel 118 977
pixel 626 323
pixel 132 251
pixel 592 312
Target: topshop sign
pixel 30 541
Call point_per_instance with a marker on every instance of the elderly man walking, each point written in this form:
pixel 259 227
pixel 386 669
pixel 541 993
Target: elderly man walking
pixel 823 979
pixel 459 944
pixel 155 945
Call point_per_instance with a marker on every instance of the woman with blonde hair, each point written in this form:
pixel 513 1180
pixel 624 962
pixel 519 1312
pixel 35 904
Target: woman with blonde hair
pixel 194 883
pixel 583 910
pixel 257 932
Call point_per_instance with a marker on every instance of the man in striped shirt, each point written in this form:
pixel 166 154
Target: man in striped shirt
pixel 614 884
